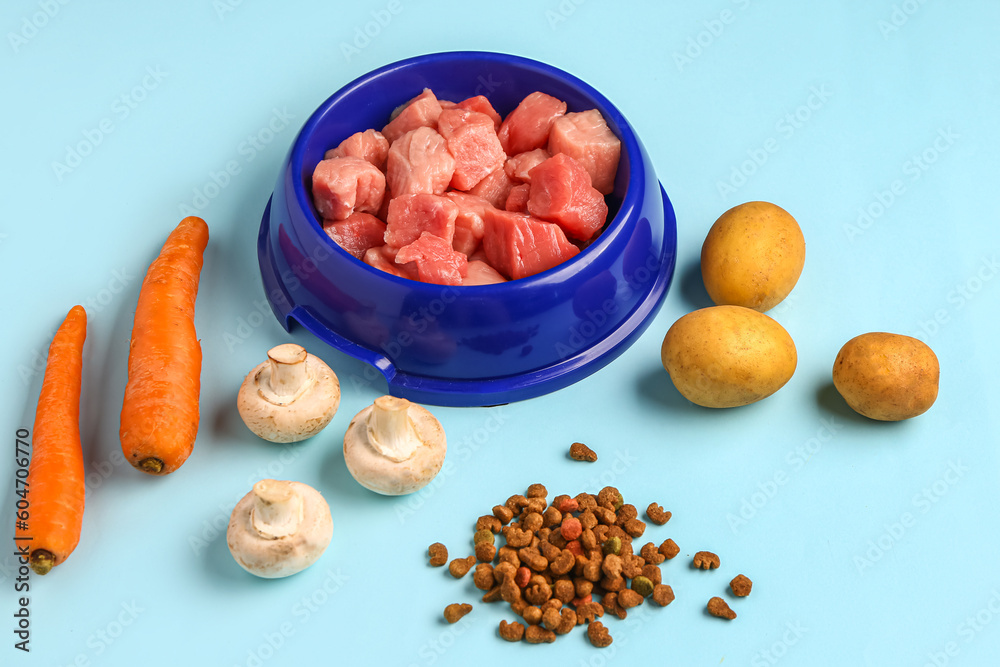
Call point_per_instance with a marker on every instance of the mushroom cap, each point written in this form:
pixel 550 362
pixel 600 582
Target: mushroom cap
pixel 285 556
pixel 294 418
pixel 395 478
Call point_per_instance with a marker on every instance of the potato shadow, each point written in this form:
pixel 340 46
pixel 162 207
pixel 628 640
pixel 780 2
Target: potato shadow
pixel 656 387
pixel 692 287
pixel 830 401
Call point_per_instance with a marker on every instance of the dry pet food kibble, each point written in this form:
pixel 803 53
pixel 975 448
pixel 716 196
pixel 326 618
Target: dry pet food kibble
pixel 460 566
pixel 669 549
pixel 651 554
pixel 663 595
pixel 512 632
pixel 643 586
pixel 537 491
pixel 657 515
pixel 718 607
pixel 454 612
pixel 483 576
pixel 706 560
pixel 629 598
pixel 438 554
pixel 741 586
pixel 568 562
pixel 598 634
pixel 581 452
pixel 536 634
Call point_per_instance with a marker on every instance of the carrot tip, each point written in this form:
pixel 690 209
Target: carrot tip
pixel 42 561
pixel 152 465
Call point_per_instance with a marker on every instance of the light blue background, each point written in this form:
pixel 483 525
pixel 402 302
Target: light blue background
pixel 852 562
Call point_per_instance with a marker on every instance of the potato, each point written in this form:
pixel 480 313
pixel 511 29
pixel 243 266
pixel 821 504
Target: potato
pixel 887 376
pixel 752 256
pixel 725 356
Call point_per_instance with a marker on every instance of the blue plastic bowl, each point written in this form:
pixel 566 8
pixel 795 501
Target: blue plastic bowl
pixel 480 345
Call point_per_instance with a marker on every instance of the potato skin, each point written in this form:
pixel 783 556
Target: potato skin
pixel 753 256
pixel 727 356
pixel 885 376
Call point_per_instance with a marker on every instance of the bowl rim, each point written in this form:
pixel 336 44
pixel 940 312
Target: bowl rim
pixel 614 118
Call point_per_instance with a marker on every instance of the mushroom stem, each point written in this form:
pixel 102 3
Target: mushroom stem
pixel 288 369
pixel 390 430
pixel 277 509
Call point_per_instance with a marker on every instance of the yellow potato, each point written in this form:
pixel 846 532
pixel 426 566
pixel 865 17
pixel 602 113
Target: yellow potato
pixel 887 376
pixel 752 256
pixel 725 356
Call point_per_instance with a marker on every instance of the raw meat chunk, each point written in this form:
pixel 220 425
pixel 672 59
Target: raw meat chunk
pixel 357 233
pixel 419 162
pixel 409 215
pixel 436 261
pixel 586 137
pixel 494 188
pixel 383 210
pixel 517 200
pixel 472 141
pixel 343 185
pixel 481 273
pixel 422 111
pixel 383 258
pixel 518 245
pixel 519 166
pixel 561 192
pixel 479 256
pixel 482 105
pixel 465 197
pixel 369 145
pixel 527 127
pixel 469 225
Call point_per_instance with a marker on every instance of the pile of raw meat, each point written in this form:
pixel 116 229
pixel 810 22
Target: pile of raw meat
pixel 449 193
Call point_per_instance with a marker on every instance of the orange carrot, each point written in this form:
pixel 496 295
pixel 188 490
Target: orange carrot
pixel 56 491
pixel 159 419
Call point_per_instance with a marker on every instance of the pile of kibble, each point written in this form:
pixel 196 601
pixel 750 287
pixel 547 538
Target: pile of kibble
pixel 568 563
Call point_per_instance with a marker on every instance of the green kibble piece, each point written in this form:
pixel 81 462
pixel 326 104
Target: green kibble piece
pixel 619 502
pixel 612 545
pixel 642 586
pixel 484 535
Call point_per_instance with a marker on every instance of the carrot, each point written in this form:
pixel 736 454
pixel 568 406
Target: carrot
pixel 159 419
pixel 56 491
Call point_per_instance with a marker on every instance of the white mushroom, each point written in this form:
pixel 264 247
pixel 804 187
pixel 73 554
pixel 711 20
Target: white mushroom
pixel 290 397
pixel 279 528
pixel 394 447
